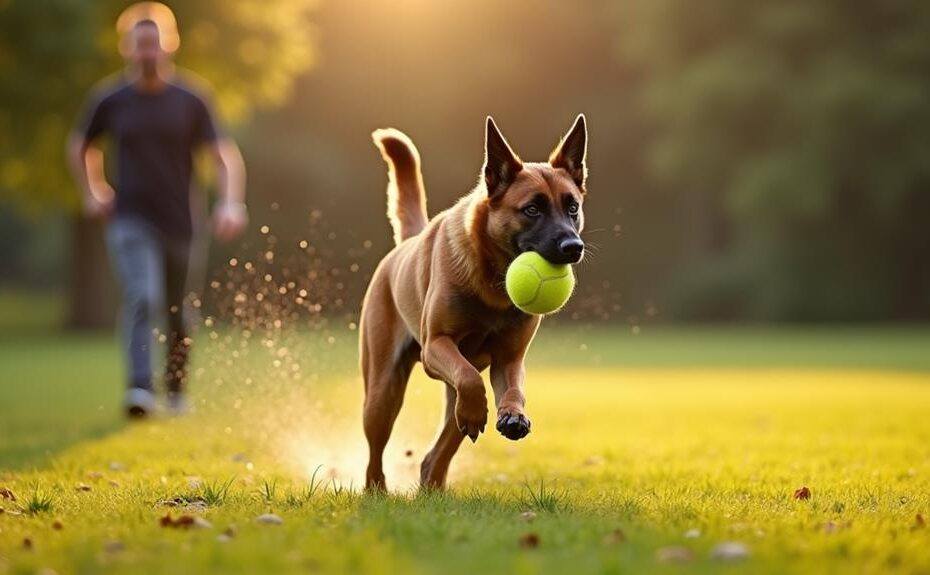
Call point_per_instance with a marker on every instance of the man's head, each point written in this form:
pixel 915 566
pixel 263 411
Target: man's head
pixel 537 206
pixel 148 36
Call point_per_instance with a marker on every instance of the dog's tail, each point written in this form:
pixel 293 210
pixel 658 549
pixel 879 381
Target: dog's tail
pixel 406 196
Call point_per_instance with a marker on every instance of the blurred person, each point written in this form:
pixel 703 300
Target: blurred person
pixel 157 123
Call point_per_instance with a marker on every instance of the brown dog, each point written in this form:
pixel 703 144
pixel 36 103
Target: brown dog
pixel 439 297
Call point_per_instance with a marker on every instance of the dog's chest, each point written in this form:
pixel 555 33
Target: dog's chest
pixel 479 323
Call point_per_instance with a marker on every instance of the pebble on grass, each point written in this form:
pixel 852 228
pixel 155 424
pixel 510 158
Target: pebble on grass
pixel 528 516
pixel 269 518
pixel 729 551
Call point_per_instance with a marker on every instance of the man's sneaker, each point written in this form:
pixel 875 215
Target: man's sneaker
pixel 177 404
pixel 139 402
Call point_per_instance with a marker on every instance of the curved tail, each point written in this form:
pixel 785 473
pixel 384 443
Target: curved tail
pixel 406 196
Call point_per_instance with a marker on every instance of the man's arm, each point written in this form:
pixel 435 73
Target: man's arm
pixel 86 161
pixel 230 216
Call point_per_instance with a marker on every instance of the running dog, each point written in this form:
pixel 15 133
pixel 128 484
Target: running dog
pixel 438 297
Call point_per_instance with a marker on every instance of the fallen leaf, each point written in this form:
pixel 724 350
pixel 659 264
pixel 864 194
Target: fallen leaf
pixel 7 494
pixel 729 551
pixel 615 537
pixel 269 518
pixel 802 493
pixel 529 541
pixel 184 522
pixel 674 554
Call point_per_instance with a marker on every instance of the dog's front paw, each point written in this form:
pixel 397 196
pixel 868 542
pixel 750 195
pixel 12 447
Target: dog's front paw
pixel 471 412
pixel 513 425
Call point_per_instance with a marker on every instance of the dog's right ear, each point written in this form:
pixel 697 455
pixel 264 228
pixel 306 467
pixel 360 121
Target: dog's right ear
pixel 501 165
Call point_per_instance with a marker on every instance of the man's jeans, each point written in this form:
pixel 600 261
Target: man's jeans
pixel 152 272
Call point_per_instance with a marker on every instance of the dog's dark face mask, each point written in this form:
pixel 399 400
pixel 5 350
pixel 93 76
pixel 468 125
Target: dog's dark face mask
pixel 537 206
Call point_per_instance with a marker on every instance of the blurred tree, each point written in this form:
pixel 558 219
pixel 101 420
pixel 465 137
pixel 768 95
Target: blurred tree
pixel 51 54
pixel 797 132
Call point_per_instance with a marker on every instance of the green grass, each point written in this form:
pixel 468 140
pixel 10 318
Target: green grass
pixel 656 435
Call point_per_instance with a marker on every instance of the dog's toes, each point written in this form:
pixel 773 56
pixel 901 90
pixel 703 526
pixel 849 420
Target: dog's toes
pixel 513 426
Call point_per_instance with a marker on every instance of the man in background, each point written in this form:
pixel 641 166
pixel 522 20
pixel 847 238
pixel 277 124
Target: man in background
pixel 156 122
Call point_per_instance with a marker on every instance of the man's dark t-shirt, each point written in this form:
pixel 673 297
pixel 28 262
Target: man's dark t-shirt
pixel 154 135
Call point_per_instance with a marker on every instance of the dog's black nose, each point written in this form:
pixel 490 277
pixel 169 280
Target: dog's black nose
pixel 571 248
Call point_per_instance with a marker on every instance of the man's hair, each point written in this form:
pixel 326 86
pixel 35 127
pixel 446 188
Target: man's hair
pixel 148 13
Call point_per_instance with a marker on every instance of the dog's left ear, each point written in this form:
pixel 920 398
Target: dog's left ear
pixel 571 151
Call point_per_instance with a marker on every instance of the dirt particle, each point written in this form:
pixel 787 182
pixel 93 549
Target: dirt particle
pixel 7 494
pixel 57 525
pixel 802 494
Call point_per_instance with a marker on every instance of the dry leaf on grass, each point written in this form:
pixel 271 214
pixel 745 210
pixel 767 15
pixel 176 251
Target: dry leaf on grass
pixel 615 537
pixel 802 493
pixel 7 494
pixel 529 541
pixel 674 554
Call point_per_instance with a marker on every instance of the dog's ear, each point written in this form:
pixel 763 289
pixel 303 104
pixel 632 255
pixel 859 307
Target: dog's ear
pixel 501 165
pixel 571 151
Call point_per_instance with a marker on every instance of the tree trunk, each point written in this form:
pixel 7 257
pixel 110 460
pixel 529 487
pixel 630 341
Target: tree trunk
pixel 93 295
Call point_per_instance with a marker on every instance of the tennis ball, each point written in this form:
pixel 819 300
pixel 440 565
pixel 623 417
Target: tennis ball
pixel 537 286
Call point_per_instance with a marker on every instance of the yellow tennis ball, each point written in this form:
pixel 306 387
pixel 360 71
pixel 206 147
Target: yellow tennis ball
pixel 537 286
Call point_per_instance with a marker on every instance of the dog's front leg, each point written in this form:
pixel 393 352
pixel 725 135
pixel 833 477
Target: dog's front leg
pixel 507 380
pixel 443 360
pixel 507 376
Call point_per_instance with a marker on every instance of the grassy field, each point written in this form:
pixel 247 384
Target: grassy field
pixel 647 452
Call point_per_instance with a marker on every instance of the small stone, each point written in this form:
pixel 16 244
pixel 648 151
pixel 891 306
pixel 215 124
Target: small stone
pixel 729 551
pixel 692 534
pixel 269 518
pixel 674 554
pixel 528 516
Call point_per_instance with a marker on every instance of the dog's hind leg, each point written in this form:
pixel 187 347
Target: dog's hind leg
pixel 388 355
pixel 435 465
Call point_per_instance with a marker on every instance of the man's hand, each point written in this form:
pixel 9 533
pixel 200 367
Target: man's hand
pixel 229 220
pixel 98 203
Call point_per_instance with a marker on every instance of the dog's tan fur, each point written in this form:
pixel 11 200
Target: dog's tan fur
pixel 438 296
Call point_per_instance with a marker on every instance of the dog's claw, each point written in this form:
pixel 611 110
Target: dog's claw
pixel 513 426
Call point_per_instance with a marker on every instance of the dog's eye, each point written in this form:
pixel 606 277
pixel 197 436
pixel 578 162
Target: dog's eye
pixel 573 209
pixel 531 210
